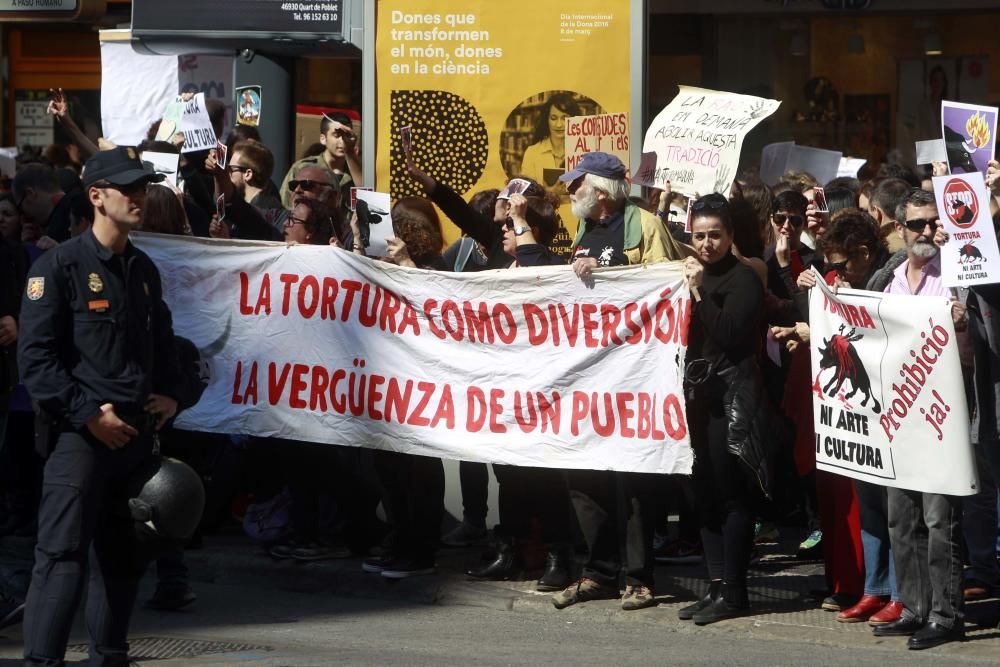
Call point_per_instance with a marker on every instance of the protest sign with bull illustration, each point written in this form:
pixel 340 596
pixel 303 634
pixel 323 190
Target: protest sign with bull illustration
pixel 971 256
pixel 888 399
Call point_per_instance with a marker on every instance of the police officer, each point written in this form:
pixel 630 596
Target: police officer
pixel 98 355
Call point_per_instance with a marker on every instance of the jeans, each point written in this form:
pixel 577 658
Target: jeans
pixel 880 570
pixel 612 506
pixel 979 524
pixel 924 530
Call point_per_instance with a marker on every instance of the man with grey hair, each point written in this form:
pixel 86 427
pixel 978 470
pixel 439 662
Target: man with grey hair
pixel 613 232
pixel 924 528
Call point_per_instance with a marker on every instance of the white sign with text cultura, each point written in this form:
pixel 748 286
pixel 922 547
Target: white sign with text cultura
pixel 888 399
pixel 971 256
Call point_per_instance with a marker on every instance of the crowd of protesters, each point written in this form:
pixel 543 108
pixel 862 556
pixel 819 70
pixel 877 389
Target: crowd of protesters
pixel 901 561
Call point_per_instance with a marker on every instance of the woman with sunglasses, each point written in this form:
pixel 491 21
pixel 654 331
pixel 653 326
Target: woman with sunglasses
pixel 724 338
pixel 788 257
pixel 855 254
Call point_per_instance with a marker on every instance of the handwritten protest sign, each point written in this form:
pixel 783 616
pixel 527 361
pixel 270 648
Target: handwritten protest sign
pixel 971 256
pixel 525 366
pixel 888 399
pixel 606 133
pixel 970 136
pixel 698 137
pixel 196 126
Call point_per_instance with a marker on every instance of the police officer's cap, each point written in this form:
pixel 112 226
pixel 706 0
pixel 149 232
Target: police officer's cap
pixel 119 166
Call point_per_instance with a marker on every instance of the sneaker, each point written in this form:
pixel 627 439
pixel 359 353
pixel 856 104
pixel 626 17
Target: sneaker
pixel 403 568
pixel 316 551
pixel 679 552
pixel 375 564
pixel 765 533
pixel 811 545
pixel 582 590
pixel 171 597
pixel 465 535
pixel 11 611
pixel 839 602
pixel 282 551
pixel 638 597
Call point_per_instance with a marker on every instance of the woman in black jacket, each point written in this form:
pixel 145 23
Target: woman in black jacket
pixel 723 341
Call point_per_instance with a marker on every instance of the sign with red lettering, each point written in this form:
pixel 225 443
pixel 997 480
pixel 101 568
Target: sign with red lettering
pixel 605 133
pixel 527 366
pixel 971 256
pixel 697 139
pixel 888 399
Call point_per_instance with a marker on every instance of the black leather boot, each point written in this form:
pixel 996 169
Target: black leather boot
pixel 557 571
pixel 732 603
pixel 713 594
pixel 506 565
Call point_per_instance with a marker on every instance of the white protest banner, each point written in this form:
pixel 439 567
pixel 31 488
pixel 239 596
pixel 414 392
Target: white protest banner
pixel 196 126
pixel 526 366
pixel 888 398
pixel 605 133
pixel 971 256
pixel 698 137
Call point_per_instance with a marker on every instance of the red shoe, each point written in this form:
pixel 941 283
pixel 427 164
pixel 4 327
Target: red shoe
pixel 866 606
pixel 889 613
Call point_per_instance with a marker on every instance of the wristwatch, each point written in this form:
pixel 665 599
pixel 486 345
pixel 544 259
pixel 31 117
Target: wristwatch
pixel 521 229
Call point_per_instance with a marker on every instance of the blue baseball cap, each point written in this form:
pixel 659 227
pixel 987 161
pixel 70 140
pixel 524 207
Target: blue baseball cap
pixel 598 164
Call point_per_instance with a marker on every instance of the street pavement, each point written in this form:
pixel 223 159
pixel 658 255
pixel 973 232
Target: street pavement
pixel 260 611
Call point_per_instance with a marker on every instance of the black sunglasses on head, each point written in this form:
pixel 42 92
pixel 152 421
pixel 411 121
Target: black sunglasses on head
pixel 919 224
pixel 306 184
pixel 795 220
pixel 713 204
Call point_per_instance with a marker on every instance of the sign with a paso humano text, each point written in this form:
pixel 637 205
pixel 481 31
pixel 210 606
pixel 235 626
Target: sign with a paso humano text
pixel 526 366
pixel 888 399
pixel 697 139
pixel 971 256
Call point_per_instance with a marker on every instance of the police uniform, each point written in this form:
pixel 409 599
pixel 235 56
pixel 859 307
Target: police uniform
pixel 96 331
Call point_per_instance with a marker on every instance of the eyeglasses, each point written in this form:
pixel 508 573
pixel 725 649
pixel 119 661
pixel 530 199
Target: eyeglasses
pixel 919 224
pixel 291 221
pixel 240 168
pixel 781 218
pixel 306 184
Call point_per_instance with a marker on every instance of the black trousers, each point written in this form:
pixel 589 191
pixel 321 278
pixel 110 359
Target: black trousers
pixel 413 492
pixel 83 524
pixel 533 492
pixel 474 479
pixel 723 497
pixel 605 503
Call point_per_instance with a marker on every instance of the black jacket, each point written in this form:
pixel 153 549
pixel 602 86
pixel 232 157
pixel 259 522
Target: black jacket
pixel 95 330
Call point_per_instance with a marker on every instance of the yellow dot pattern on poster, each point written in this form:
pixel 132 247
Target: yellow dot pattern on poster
pixel 449 140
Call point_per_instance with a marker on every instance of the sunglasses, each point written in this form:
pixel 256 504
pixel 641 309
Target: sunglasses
pixel 127 190
pixel 919 224
pixel 240 168
pixel 839 267
pixel 713 204
pixel 781 218
pixel 306 185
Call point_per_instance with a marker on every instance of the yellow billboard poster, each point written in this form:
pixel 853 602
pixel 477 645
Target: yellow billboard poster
pixel 487 88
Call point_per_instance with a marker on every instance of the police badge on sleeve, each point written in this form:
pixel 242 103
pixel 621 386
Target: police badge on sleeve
pixel 36 288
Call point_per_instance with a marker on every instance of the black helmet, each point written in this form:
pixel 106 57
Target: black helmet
pixel 166 499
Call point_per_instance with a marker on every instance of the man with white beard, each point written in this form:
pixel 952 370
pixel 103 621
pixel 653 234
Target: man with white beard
pixel 924 528
pixel 613 232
